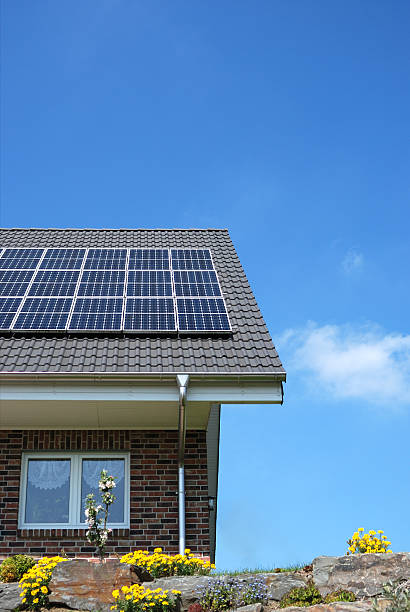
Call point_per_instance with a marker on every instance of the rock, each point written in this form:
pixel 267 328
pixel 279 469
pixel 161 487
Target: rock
pixel 9 596
pixel 363 574
pixel 186 584
pixel 257 607
pixel 280 584
pixel 84 585
pixel 338 606
pixel 343 606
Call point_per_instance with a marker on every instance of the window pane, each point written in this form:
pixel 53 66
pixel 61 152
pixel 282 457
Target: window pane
pixel 48 491
pixel 91 470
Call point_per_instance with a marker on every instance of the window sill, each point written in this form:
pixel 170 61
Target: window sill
pixel 71 532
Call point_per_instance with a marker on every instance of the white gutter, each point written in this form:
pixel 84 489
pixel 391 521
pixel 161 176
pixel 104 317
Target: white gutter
pixel 182 381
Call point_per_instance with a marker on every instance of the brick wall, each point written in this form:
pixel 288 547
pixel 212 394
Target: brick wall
pixel 153 484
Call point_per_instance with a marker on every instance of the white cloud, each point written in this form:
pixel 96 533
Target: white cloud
pixel 352 261
pixel 350 362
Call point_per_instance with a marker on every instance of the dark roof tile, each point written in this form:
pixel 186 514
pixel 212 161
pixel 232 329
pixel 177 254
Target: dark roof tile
pixel 248 351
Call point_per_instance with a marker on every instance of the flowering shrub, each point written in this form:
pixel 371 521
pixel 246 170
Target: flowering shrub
pixel 361 542
pixel 97 532
pixel 159 564
pixel 13 568
pixel 136 598
pixel 34 583
pixel 220 594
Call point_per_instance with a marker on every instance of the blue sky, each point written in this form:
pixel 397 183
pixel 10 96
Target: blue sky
pixel 288 123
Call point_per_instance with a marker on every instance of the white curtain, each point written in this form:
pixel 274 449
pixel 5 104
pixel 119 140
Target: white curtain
pixel 92 470
pixel 48 473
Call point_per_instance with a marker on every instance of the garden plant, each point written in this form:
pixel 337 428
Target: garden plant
pixel 159 564
pixel 221 594
pixel 398 596
pixel 34 583
pixel 361 542
pixel 13 568
pixel 301 596
pixel 98 532
pixel 137 598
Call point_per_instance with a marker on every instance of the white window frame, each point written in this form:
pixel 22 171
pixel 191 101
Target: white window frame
pixel 75 512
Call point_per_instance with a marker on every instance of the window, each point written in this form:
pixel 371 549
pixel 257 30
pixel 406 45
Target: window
pixel 54 487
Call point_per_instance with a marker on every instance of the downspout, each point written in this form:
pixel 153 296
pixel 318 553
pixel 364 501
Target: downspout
pixel 182 381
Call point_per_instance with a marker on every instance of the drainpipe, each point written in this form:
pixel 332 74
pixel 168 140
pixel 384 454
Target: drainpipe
pixel 182 381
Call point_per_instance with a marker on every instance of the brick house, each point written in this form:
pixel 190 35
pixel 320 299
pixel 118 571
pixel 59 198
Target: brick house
pixel 117 349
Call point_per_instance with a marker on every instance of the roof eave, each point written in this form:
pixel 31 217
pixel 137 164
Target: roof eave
pixel 144 376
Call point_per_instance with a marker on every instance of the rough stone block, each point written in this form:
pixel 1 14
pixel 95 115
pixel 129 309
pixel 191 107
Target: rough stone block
pixel 363 574
pixel 9 596
pixel 82 585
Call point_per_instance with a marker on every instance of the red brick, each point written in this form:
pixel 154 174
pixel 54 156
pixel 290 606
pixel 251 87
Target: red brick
pixel 154 500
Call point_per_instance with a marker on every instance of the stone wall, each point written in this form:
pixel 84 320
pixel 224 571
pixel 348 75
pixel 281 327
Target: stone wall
pixel 153 485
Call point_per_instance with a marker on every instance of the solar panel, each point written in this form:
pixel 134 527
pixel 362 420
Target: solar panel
pixel 149 259
pixel 54 283
pixel 202 315
pixel 106 259
pixel 14 282
pixel 102 283
pixel 196 283
pixel 149 283
pixel 134 290
pixel 16 276
pixel 148 314
pixel 43 314
pixel 191 259
pixel 63 259
pixel 20 259
pixel 8 310
pixel 102 314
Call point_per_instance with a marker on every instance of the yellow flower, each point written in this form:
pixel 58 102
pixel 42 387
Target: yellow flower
pixel 116 594
pixel 44 589
pixel 360 529
pixel 35 600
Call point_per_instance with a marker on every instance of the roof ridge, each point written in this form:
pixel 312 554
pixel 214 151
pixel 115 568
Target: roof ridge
pixel 117 229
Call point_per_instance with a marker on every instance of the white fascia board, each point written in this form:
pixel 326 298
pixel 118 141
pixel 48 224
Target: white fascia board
pixel 216 392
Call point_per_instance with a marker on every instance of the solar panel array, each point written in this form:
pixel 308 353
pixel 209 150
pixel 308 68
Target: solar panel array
pixel 111 290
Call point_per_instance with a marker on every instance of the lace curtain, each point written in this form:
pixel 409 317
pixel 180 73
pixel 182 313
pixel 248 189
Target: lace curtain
pixel 92 470
pixel 54 473
pixel 49 473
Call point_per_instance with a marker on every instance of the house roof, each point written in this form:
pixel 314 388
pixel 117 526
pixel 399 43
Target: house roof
pixel 248 351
